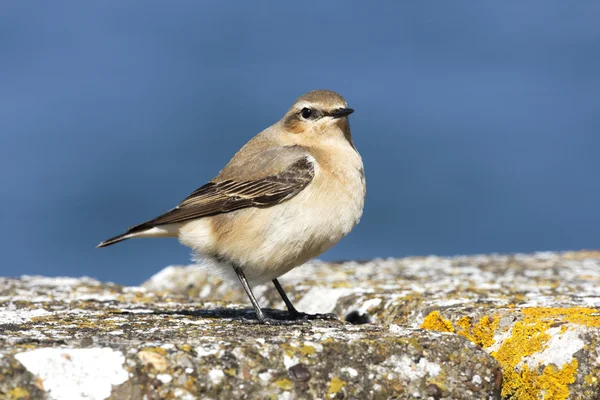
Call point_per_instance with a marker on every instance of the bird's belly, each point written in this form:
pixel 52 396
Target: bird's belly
pixel 303 231
pixel 268 242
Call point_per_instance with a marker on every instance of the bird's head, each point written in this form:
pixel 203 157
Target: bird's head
pixel 318 114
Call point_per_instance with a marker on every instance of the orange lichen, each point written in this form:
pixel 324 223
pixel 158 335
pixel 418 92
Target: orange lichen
pixel 577 315
pixel 482 333
pixel 553 382
pixel 435 322
pixel 528 336
pixel 526 339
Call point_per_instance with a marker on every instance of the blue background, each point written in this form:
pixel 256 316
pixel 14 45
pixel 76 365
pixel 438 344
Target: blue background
pixel 478 123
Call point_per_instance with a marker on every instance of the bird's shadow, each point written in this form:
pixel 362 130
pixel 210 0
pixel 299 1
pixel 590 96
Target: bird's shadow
pixel 215 313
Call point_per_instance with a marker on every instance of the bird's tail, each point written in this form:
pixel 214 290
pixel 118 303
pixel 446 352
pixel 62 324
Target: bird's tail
pixel 115 239
pixel 145 230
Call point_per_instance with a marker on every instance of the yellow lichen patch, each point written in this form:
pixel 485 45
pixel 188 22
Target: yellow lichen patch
pixel 528 337
pixel 287 349
pixel 551 384
pixel 18 393
pixel 158 350
pixel 563 329
pixel 230 371
pixel 27 346
pixel 591 379
pixel 307 350
pixel 554 382
pixel 335 385
pixel 342 284
pixel 435 322
pixel 482 333
pixel 283 384
pixel 585 316
pixel 185 347
pixel 82 322
pixel 140 298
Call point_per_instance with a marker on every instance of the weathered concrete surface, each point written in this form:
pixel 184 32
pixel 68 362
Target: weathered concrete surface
pixel 538 315
pixel 69 338
pixel 455 328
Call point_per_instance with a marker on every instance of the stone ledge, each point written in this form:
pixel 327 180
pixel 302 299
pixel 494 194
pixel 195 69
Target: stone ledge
pixel 76 339
pixel 430 328
pixel 537 314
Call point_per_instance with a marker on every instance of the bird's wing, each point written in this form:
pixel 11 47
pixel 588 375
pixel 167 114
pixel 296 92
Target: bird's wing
pixel 229 195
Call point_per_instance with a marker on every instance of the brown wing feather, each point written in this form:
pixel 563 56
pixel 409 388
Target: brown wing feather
pixel 226 196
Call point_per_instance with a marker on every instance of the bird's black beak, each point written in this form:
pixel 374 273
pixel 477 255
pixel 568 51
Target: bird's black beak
pixel 341 112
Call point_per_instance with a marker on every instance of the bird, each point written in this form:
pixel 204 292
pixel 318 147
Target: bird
pixel 288 195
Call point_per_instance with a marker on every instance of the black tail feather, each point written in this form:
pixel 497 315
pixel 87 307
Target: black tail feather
pixel 114 240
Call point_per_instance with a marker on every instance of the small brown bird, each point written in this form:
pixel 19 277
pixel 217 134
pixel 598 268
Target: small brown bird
pixel 291 193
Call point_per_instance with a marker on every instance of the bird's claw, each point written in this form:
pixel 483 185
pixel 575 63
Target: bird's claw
pixel 273 322
pixel 300 316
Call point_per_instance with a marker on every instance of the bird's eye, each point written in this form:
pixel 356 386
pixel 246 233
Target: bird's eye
pixel 306 113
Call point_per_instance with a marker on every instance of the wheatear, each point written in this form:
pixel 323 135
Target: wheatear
pixel 288 195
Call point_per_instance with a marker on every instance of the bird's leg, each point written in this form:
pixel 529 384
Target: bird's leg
pixel 259 314
pixel 291 309
pixel 295 314
pixel 262 318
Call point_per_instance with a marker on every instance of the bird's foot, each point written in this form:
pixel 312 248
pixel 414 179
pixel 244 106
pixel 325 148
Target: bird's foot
pixel 272 321
pixel 280 322
pixel 300 316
